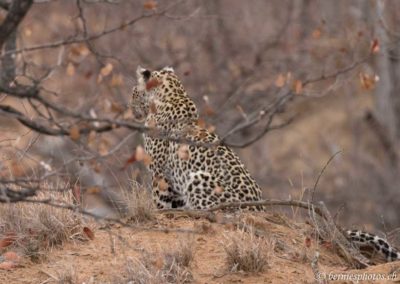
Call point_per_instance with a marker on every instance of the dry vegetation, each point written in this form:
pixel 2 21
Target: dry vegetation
pixel 140 207
pixel 169 266
pixel 320 60
pixel 247 252
pixel 170 247
pixel 67 276
pixel 34 229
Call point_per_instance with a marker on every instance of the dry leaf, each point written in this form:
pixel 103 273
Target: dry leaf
pixel 375 46
pixel 89 233
pixel 368 81
pixel 78 50
pixel 70 69
pixel 8 240
pixel 208 110
pixel 147 160
pixel 211 128
pixel 150 5
pixel 27 32
pixel 103 147
pixel 99 79
pixel 93 190
pixel 316 33
pixel 201 123
pixel 307 242
pixel 280 81
pixel 91 137
pixel 218 190
pixel 117 80
pixel 131 160
pixel 11 256
pixel 183 152
pixel 140 153
pixel 298 87
pixel 162 184
pixel 7 265
pixel 74 133
pixel 106 70
pixel 151 84
pixel 116 108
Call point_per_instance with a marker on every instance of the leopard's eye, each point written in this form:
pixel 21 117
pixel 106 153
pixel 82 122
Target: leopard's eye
pixel 146 74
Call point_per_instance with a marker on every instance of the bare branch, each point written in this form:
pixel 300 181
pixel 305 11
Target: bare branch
pixel 8 195
pixel 268 112
pixel 8 62
pixel 322 171
pixel 4 5
pixel 16 13
pixel 73 40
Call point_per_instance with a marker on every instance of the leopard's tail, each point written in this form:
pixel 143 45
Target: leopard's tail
pixel 379 244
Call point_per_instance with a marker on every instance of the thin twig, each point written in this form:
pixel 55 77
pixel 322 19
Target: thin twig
pixel 321 172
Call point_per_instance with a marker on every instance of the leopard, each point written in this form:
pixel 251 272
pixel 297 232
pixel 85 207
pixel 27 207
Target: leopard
pixel 209 173
pixel 200 171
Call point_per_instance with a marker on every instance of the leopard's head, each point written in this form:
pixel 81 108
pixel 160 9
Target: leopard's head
pixel 155 87
pixel 160 83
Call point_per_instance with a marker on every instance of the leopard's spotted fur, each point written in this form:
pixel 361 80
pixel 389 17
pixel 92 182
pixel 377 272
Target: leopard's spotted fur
pixel 209 173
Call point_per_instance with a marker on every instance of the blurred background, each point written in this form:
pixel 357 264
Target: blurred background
pixel 325 72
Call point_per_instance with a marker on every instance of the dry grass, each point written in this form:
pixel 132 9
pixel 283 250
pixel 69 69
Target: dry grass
pixel 140 206
pixel 37 228
pixel 169 267
pixel 247 252
pixel 177 262
pixel 68 276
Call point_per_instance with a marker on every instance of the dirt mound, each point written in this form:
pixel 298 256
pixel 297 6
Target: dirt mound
pixel 174 248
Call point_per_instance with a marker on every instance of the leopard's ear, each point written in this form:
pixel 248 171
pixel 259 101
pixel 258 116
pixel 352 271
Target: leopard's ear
pixel 167 68
pixel 142 73
pixel 139 71
pixel 142 76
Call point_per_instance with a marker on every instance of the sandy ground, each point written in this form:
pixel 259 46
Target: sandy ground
pixel 104 258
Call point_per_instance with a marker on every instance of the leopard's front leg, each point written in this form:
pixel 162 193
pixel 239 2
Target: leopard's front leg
pixel 164 195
